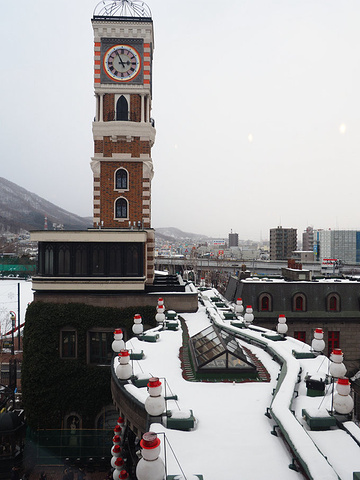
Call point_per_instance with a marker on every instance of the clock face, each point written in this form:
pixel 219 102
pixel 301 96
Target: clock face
pixel 122 63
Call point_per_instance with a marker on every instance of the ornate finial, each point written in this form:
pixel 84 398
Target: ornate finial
pixel 122 8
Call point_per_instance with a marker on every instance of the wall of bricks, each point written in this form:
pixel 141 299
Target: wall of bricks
pixel 136 147
pixel 135 108
pixel 109 108
pixel 108 195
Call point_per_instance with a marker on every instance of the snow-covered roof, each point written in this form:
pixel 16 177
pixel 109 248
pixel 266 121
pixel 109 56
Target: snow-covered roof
pixel 232 435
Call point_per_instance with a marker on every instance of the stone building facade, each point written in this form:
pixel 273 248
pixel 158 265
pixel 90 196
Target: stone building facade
pixel 333 305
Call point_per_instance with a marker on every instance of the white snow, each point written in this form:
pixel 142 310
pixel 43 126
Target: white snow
pixel 231 438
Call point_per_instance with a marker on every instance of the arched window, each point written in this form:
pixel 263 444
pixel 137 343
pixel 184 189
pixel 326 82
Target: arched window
pixel 115 259
pixel 333 302
pixel 98 260
pixel 49 260
pixel 133 266
pixel 122 109
pixel 265 302
pixel 299 303
pixel 121 208
pixel 121 179
pixel 73 422
pixel 64 260
pixel 81 260
pixel 107 418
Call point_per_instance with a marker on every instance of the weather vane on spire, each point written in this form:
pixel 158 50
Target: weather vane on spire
pixel 122 8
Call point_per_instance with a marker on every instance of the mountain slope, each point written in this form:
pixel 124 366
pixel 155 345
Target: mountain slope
pixel 171 233
pixel 23 210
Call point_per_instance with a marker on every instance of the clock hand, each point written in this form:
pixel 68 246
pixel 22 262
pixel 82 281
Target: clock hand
pixel 122 63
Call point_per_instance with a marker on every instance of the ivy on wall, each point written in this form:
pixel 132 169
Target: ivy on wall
pixel 52 387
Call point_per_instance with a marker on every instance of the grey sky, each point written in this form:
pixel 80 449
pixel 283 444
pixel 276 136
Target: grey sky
pixel 255 103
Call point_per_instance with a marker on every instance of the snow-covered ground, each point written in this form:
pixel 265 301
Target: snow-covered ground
pixel 232 436
pixel 9 301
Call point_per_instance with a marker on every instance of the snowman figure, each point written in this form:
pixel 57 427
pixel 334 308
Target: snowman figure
pixel 124 369
pixel 155 402
pixel 248 316
pixel 160 316
pixel 343 402
pixel 337 368
pixel 318 343
pixel 281 327
pixel 118 343
pixel 137 327
pixel 150 466
pixel 118 465
pixel 239 307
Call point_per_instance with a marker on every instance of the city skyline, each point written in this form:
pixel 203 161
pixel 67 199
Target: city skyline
pixel 254 104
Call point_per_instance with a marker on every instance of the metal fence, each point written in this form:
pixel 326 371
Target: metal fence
pixel 79 447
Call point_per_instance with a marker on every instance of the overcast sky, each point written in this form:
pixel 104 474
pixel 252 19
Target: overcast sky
pixel 256 104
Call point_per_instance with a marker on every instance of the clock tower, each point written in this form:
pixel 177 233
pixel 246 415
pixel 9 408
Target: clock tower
pixel 123 129
pixel 116 255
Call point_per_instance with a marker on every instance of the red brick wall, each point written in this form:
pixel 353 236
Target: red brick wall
pixel 108 147
pixel 108 195
pixel 109 107
pixel 135 108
